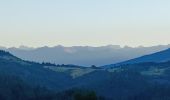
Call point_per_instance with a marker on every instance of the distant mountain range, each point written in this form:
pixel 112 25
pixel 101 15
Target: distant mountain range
pixel 83 55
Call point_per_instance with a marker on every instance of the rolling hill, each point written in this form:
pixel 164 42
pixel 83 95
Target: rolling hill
pixel 128 82
pixel 161 56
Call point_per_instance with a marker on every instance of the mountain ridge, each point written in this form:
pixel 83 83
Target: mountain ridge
pixel 83 55
pixel 161 56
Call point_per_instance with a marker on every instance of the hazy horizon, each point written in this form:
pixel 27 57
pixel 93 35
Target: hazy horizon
pixel 121 46
pixel 37 23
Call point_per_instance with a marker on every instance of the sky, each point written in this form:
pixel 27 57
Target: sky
pixel 38 23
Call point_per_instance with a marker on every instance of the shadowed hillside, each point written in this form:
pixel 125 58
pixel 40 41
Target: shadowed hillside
pixel 48 82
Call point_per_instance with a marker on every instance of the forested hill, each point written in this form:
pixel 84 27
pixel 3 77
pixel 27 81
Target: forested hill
pixel 24 80
pixel 161 56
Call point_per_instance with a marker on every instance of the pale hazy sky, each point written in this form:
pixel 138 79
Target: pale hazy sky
pixel 84 22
